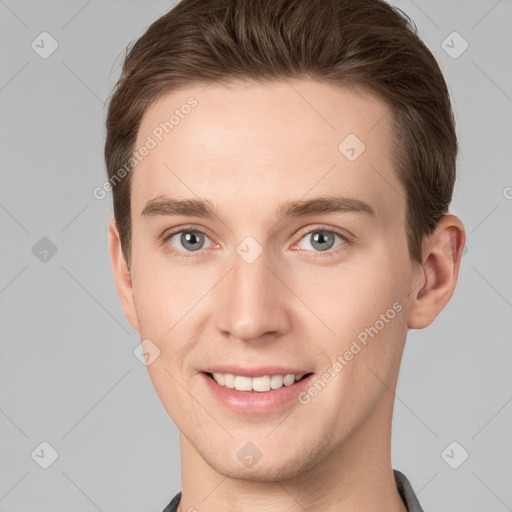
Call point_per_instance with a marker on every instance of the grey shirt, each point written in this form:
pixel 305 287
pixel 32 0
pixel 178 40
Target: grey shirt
pixel 402 484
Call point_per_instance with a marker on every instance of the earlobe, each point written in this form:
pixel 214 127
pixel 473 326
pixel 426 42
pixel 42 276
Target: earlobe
pixel 122 275
pixel 438 274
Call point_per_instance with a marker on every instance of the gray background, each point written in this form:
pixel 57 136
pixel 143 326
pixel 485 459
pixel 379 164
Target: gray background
pixel 68 375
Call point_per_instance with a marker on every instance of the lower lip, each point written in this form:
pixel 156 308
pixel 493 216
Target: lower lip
pixel 255 401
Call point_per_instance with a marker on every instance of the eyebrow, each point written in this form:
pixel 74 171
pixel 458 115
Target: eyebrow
pixel 166 206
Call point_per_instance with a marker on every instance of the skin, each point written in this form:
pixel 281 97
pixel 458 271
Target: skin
pixel 248 148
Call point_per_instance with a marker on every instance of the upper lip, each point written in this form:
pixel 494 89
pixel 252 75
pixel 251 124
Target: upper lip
pixel 258 371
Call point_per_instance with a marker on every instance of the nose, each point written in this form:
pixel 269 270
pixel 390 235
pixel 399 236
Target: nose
pixel 251 302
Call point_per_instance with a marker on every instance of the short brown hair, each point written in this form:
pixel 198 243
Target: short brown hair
pixel 342 42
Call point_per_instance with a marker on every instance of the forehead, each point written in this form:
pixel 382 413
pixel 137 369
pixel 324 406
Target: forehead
pixel 267 142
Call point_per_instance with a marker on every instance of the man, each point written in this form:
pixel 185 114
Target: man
pixel 281 174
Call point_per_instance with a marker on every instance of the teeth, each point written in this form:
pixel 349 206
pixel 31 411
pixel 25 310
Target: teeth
pixel 261 384
pixel 229 379
pixel 276 381
pixel 243 383
pixel 220 378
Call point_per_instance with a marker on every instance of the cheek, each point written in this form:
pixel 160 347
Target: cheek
pixel 164 294
pixel 367 318
pixel 353 297
pixel 364 309
pixel 162 304
pixel 165 301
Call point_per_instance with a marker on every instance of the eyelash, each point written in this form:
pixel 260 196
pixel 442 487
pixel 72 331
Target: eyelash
pixel 317 254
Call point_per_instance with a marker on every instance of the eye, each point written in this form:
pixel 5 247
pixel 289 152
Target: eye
pixel 321 240
pixel 190 240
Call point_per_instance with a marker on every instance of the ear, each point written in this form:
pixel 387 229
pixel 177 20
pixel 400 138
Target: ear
pixel 122 275
pixel 437 276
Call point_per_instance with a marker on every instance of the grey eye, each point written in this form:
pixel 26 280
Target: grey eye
pixel 321 239
pixel 189 240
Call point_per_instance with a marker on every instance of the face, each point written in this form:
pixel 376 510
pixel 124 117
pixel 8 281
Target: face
pixel 292 259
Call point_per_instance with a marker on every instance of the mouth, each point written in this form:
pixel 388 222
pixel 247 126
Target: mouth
pixel 265 392
pixel 259 384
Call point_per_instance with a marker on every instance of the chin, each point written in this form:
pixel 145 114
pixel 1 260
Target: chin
pixel 277 468
pixel 260 472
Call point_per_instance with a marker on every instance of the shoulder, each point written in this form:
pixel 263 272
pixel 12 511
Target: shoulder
pixel 173 505
pixel 406 492
pixel 402 484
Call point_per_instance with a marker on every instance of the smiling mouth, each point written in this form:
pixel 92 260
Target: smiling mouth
pixel 260 384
